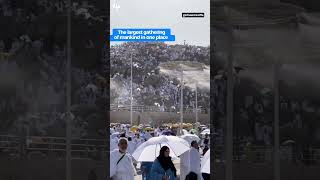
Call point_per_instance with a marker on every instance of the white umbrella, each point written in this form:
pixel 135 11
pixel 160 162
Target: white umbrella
pixel 190 138
pixel 205 163
pixel 91 87
pixel 185 132
pixel 149 150
pixel 288 142
pixel 206 131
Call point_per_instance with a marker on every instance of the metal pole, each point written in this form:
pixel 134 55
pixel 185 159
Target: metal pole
pixel 131 91
pixel 276 155
pixel 196 102
pixel 68 86
pixel 181 103
pixel 229 127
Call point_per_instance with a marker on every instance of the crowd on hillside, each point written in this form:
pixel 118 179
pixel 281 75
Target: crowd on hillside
pixel 150 86
pixel 33 59
pixel 254 113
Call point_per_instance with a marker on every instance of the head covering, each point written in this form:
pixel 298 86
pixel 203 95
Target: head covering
pixel 166 162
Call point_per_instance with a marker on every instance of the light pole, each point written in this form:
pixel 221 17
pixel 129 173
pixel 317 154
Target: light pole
pixel 196 102
pixel 179 67
pixel 68 93
pixel 230 84
pixel 131 90
pixel 276 156
pixel 181 101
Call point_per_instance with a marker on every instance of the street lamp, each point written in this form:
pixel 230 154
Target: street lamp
pixel 68 95
pixel 131 89
pixel 181 66
pixel 197 102
pixel 131 99
pixel 181 102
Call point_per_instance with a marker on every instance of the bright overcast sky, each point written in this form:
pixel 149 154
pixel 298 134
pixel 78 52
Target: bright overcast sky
pixel 165 14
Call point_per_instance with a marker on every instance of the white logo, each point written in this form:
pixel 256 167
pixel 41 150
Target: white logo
pixel 116 6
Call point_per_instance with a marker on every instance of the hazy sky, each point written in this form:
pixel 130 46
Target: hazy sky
pixel 165 14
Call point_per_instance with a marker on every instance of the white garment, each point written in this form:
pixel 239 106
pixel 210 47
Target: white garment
pixel 116 139
pixel 157 132
pixel 129 134
pixel 131 147
pixel 113 144
pixel 190 162
pixel 124 170
pixel 147 136
pixel 138 142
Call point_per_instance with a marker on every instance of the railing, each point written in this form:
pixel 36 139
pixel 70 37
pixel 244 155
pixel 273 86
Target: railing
pixel 261 154
pixel 98 149
pixel 9 142
pixel 141 108
pixel 52 146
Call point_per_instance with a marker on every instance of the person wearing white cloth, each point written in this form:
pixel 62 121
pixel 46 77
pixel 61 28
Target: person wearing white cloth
pixel 131 146
pixel 113 143
pixel 121 166
pixel 147 136
pixel 138 140
pixel 190 162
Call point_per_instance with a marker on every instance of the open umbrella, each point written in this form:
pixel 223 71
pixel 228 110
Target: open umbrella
pixel 175 125
pixel 148 129
pixel 205 163
pixel 185 132
pixel 134 128
pixel 206 131
pixel 194 131
pixel 287 142
pixel 149 150
pixel 190 138
pixel 92 87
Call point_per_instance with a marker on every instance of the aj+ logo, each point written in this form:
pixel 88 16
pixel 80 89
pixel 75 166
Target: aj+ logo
pixel 116 6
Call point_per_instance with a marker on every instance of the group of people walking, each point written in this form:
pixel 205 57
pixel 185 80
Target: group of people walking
pixel 122 164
